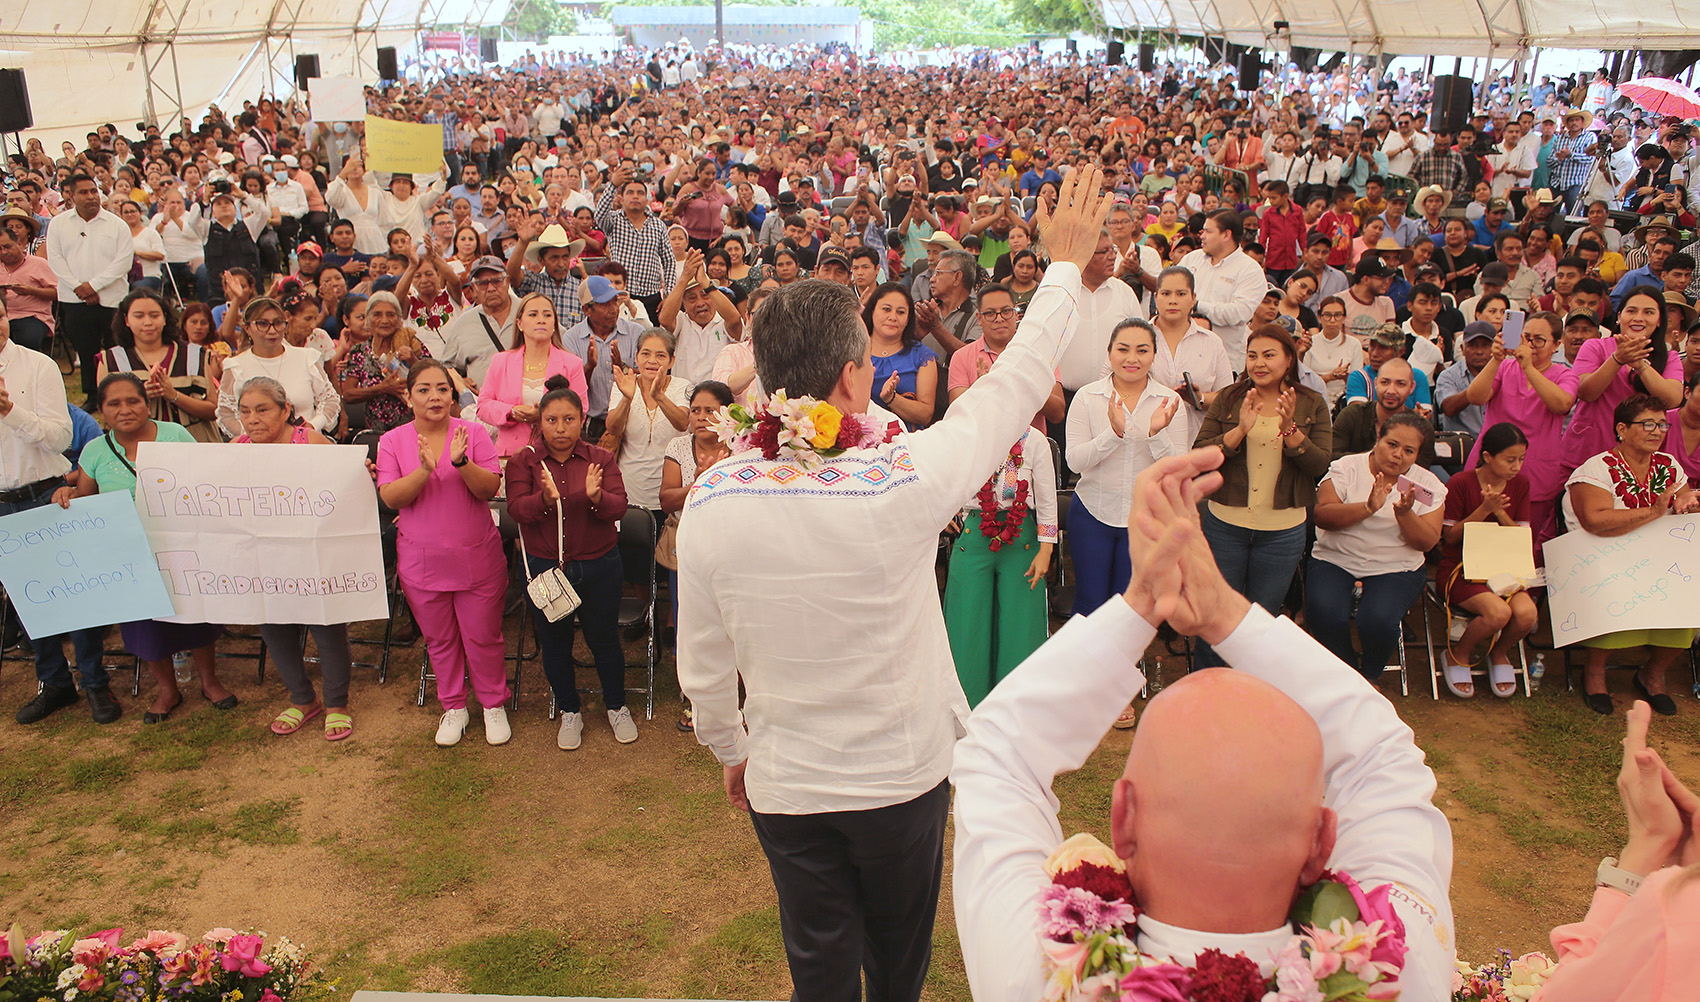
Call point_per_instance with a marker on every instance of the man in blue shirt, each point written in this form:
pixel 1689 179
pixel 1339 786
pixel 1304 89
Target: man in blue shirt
pixel 1386 344
pixel 1492 223
pixel 1664 267
pixel 1038 174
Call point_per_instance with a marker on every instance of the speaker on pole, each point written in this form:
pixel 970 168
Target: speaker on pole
pixel 1073 46
pixel 306 68
pixel 1453 97
pixel 386 63
pixel 1147 57
pixel 1250 70
pixel 15 113
pixel 487 50
pixel 1113 53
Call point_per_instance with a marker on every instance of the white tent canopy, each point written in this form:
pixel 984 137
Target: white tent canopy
pixel 1487 28
pixel 124 61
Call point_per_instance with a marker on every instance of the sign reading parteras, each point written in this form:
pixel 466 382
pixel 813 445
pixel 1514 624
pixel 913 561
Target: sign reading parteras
pixel 263 533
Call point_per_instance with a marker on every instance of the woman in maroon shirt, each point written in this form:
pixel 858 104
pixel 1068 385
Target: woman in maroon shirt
pixel 560 473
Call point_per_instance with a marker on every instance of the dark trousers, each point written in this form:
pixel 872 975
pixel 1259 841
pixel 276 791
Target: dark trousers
pixel 31 332
pixel 858 891
pixel 1386 599
pixel 314 227
pixel 286 642
pixel 652 304
pixel 1102 566
pixel 598 585
pixel 90 330
pixel 51 668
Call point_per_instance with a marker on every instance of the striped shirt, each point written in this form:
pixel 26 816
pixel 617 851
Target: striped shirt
pixel 1572 170
pixel 645 252
pixel 564 294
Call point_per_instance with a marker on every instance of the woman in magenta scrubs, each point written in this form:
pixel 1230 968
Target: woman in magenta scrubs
pixel 1611 369
pixel 1683 439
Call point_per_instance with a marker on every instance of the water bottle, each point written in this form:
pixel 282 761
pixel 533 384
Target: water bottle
pixel 180 663
pixel 1536 670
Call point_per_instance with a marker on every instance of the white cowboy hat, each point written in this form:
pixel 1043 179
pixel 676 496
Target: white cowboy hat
pixel 554 236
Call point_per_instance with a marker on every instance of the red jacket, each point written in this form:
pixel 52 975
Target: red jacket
pixel 1282 235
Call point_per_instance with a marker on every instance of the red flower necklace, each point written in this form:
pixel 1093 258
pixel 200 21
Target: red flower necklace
pixel 998 526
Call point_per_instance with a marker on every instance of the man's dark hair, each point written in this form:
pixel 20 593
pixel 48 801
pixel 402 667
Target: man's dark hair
pixel 1679 262
pixel 1229 222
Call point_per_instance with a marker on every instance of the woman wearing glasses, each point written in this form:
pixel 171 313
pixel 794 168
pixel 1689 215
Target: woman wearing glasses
pixel 298 369
pixel 1615 493
pixel 906 372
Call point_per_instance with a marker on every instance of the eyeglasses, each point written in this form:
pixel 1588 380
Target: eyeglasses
pixel 1005 313
pixel 488 283
pixel 1332 316
pixel 267 325
pixel 1658 426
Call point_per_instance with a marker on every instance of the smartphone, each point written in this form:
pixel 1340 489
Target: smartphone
pixel 1512 332
pixel 1410 488
pixel 1189 392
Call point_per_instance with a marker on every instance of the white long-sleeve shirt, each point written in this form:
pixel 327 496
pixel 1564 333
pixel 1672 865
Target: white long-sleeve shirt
pixel 1108 462
pixel 1040 475
pixel 409 214
pixel 1048 717
pixel 303 377
pixel 1228 293
pixel 817 588
pixel 98 251
pixel 288 198
pixel 35 435
pixel 1086 356
pixel 185 238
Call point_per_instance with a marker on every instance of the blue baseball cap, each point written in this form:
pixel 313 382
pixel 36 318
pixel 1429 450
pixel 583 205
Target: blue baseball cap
pixel 600 289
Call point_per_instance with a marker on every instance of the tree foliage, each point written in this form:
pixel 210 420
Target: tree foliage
pixel 903 23
pixel 539 19
pixel 1056 17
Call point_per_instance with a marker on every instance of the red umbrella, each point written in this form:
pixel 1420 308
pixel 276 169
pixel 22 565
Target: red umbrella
pixel 1662 97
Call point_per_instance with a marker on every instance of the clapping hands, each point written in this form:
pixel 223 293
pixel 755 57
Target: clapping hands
pixel 1662 813
pixel 1175 578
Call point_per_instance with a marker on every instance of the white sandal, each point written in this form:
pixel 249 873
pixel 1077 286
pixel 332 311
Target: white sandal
pixel 1459 680
pixel 1503 674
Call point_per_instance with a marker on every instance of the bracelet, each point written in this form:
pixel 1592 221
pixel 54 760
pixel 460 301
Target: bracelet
pixel 1291 430
pixel 1611 875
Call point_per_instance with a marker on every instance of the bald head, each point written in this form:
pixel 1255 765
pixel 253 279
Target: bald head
pixel 1219 813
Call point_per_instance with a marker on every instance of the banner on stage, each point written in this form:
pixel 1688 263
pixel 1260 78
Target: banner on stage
pixel 263 533
pixel 1648 579
pixel 403 147
pixel 337 99
pixel 89 565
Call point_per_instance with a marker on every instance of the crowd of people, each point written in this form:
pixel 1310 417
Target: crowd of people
pixel 1309 281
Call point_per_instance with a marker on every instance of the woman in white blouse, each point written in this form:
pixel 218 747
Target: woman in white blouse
pixel 356 201
pixel 269 354
pixel 995 613
pixel 1377 514
pixel 1117 426
pixel 1186 350
pixel 646 412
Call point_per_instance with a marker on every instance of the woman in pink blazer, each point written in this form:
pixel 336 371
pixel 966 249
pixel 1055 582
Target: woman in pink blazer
pixel 514 384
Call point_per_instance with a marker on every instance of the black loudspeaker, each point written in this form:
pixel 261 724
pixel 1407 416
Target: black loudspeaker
pixel 1250 70
pixel 1073 46
pixel 487 50
pixel 1147 57
pixel 306 68
pixel 386 64
pixel 1453 97
pixel 1113 54
pixel 15 114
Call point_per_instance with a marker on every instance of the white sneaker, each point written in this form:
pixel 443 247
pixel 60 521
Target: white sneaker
pixel 625 729
pixel 496 729
pixel 451 727
pixel 572 732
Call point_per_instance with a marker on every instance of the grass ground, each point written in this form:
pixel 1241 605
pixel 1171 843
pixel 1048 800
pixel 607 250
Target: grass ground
pixel 620 871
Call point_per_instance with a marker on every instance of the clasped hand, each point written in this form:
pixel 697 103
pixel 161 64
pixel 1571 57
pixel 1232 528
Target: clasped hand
pixel 1175 578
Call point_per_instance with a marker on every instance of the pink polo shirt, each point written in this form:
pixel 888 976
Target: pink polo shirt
pixel 446 539
pixel 965 368
pixel 31 270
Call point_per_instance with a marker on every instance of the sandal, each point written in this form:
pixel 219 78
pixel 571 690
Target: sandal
pixel 1504 679
pixel 1128 720
pixel 338 725
pixel 227 703
pixel 687 722
pixel 292 719
pixel 1459 681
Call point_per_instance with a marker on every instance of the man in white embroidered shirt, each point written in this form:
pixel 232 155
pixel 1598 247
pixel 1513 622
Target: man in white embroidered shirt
pixel 1241 788
pixel 815 585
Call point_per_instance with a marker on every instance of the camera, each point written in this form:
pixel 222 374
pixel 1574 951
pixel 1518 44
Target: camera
pixel 222 186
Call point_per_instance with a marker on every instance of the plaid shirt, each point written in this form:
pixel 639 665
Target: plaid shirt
pixel 1572 170
pixel 1441 166
pixel 645 252
pixel 451 128
pixel 564 294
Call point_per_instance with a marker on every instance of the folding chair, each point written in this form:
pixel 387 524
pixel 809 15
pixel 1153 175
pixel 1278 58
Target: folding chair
pixel 1432 600
pixel 1028 204
pixel 637 533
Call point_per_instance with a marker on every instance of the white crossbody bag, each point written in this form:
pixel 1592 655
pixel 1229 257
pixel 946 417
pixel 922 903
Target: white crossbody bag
pixel 550 591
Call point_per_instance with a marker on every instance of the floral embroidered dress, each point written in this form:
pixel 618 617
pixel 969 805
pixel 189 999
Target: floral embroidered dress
pixel 368 369
pixel 1609 472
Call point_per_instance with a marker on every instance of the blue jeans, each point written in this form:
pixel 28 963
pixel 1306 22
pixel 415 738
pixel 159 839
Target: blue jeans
pixel 1572 197
pixel 598 584
pixel 1386 599
pixel 51 669
pixel 1257 563
pixel 1102 566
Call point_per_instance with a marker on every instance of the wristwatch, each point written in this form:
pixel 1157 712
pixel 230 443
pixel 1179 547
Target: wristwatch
pixel 1609 875
pixel 462 461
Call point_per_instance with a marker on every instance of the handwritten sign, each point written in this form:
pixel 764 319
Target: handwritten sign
pixel 403 147
pixel 337 99
pixel 263 533
pixel 86 566
pixel 1642 580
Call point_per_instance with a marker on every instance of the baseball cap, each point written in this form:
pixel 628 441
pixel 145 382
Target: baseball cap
pixel 1370 267
pixel 1498 205
pixel 1583 316
pixel 1495 272
pixel 1389 334
pixel 1481 329
pixel 309 247
pixel 600 290
pixel 832 257
pixel 491 262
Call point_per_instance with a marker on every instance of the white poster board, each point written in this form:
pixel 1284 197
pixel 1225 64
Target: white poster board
pixel 1646 579
pixel 263 533
pixel 336 99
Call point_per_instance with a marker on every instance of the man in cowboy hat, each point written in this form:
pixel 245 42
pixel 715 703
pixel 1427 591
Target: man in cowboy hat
pixel 1656 226
pixel 1431 202
pixel 1572 157
pixel 552 250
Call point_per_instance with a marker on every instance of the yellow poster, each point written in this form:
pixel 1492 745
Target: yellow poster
pixel 403 147
pixel 1491 548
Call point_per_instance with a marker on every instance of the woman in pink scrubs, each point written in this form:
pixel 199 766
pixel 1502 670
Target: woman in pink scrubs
pixel 440 472
pixel 1610 369
pixel 1683 439
pixel 1534 393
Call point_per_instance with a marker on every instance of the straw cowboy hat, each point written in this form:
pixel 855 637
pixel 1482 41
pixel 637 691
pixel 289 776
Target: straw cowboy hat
pixel 25 217
pixel 554 236
pixel 1587 117
pixel 1387 245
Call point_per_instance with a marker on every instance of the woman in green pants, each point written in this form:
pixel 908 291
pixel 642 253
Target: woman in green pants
pixel 994 600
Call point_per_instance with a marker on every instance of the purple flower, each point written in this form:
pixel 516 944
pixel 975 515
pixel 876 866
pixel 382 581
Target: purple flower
pixel 1159 983
pixel 1067 911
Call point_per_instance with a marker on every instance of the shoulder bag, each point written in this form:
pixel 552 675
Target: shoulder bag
pixel 550 591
